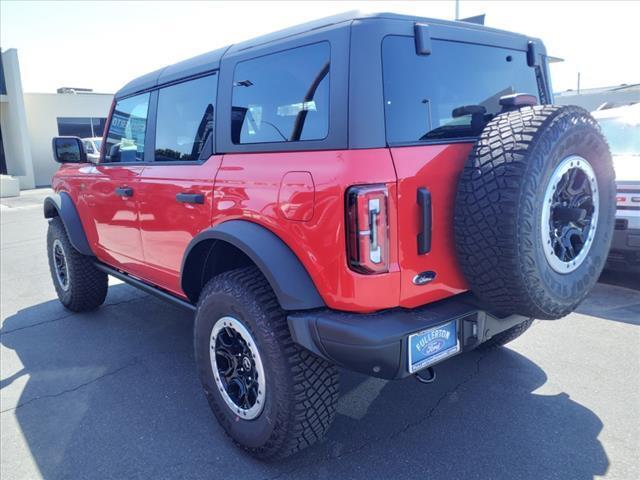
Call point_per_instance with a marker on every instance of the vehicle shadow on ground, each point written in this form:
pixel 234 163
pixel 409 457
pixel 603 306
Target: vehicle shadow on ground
pixel 621 278
pixel 616 297
pixel 114 394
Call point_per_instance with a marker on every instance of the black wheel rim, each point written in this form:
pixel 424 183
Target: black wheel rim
pixel 570 214
pixel 60 265
pixel 237 367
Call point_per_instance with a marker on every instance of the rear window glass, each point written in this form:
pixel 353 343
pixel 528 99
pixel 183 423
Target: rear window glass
pixel 282 97
pixel 451 93
pixel 185 120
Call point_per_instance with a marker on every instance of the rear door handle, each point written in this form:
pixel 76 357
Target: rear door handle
pixel 424 237
pixel 190 198
pixel 124 191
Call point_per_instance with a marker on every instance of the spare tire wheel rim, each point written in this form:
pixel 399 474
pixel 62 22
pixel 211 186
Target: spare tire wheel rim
pixel 237 368
pixel 569 214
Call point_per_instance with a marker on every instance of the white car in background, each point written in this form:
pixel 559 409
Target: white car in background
pixel 621 126
pixel 92 146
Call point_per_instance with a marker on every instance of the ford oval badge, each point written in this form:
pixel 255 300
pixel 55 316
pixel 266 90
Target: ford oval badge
pixel 424 277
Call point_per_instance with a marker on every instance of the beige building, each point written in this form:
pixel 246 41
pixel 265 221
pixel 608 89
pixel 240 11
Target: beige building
pixel 28 122
pixel 52 114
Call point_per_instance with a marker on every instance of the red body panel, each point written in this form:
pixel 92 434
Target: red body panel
pixel 299 196
pixel 111 222
pixel 166 225
pixel 248 185
pixel 436 167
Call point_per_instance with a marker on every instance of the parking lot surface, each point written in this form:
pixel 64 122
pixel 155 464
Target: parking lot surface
pixel 114 393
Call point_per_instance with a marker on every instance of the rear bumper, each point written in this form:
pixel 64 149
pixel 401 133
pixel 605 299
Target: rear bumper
pixel 376 344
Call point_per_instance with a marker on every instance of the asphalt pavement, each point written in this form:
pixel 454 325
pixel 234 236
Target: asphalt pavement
pixel 114 393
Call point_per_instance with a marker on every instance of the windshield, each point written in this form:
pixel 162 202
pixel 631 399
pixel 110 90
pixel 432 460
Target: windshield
pixel 98 144
pixel 623 135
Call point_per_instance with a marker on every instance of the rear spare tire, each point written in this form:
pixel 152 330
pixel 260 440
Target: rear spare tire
pixel 535 210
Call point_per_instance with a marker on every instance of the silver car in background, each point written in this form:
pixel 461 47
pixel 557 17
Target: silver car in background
pixel 621 126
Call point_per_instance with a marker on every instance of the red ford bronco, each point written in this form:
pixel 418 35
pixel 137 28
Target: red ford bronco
pixel 377 192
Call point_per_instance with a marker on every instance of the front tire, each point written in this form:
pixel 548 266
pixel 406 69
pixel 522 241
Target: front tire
pixel 272 397
pixel 79 284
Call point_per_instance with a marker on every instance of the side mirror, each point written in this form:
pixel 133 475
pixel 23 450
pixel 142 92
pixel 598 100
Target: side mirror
pixel 69 150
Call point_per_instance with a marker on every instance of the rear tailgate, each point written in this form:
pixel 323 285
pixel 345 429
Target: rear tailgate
pixel 436 104
pixel 436 168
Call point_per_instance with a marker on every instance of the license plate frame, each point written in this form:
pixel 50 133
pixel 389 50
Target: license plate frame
pixel 424 347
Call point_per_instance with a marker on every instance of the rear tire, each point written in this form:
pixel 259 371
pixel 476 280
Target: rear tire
pixel 79 284
pixel 239 317
pixel 535 210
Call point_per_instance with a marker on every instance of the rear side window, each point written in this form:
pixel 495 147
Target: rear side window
pixel 282 97
pixel 451 93
pixel 185 120
pixel 127 130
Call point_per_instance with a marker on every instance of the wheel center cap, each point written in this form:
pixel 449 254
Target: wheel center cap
pixel 246 363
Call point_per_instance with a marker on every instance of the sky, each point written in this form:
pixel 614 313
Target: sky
pixel 103 45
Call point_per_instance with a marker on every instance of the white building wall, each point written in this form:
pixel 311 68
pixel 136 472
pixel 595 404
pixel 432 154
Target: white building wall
pixel 43 110
pixel 14 124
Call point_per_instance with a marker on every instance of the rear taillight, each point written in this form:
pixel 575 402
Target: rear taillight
pixel 368 229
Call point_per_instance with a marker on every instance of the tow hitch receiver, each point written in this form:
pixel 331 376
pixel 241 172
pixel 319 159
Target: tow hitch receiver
pixel 423 379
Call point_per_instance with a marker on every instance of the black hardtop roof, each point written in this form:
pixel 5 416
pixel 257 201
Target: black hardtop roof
pixel 211 61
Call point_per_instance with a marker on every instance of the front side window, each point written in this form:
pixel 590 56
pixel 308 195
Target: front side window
pixel 127 130
pixel 282 97
pixel 451 93
pixel 185 120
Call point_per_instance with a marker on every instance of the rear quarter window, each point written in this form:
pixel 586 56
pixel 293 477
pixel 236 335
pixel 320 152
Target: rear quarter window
pixel 425 96
pixel 282 97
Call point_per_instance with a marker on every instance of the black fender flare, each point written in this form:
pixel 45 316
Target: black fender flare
pixel 288 278
pixel 61 205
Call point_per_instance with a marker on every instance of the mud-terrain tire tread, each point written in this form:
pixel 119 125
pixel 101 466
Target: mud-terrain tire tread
pixel 309 387
pixel 87 285
pixel 494 219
